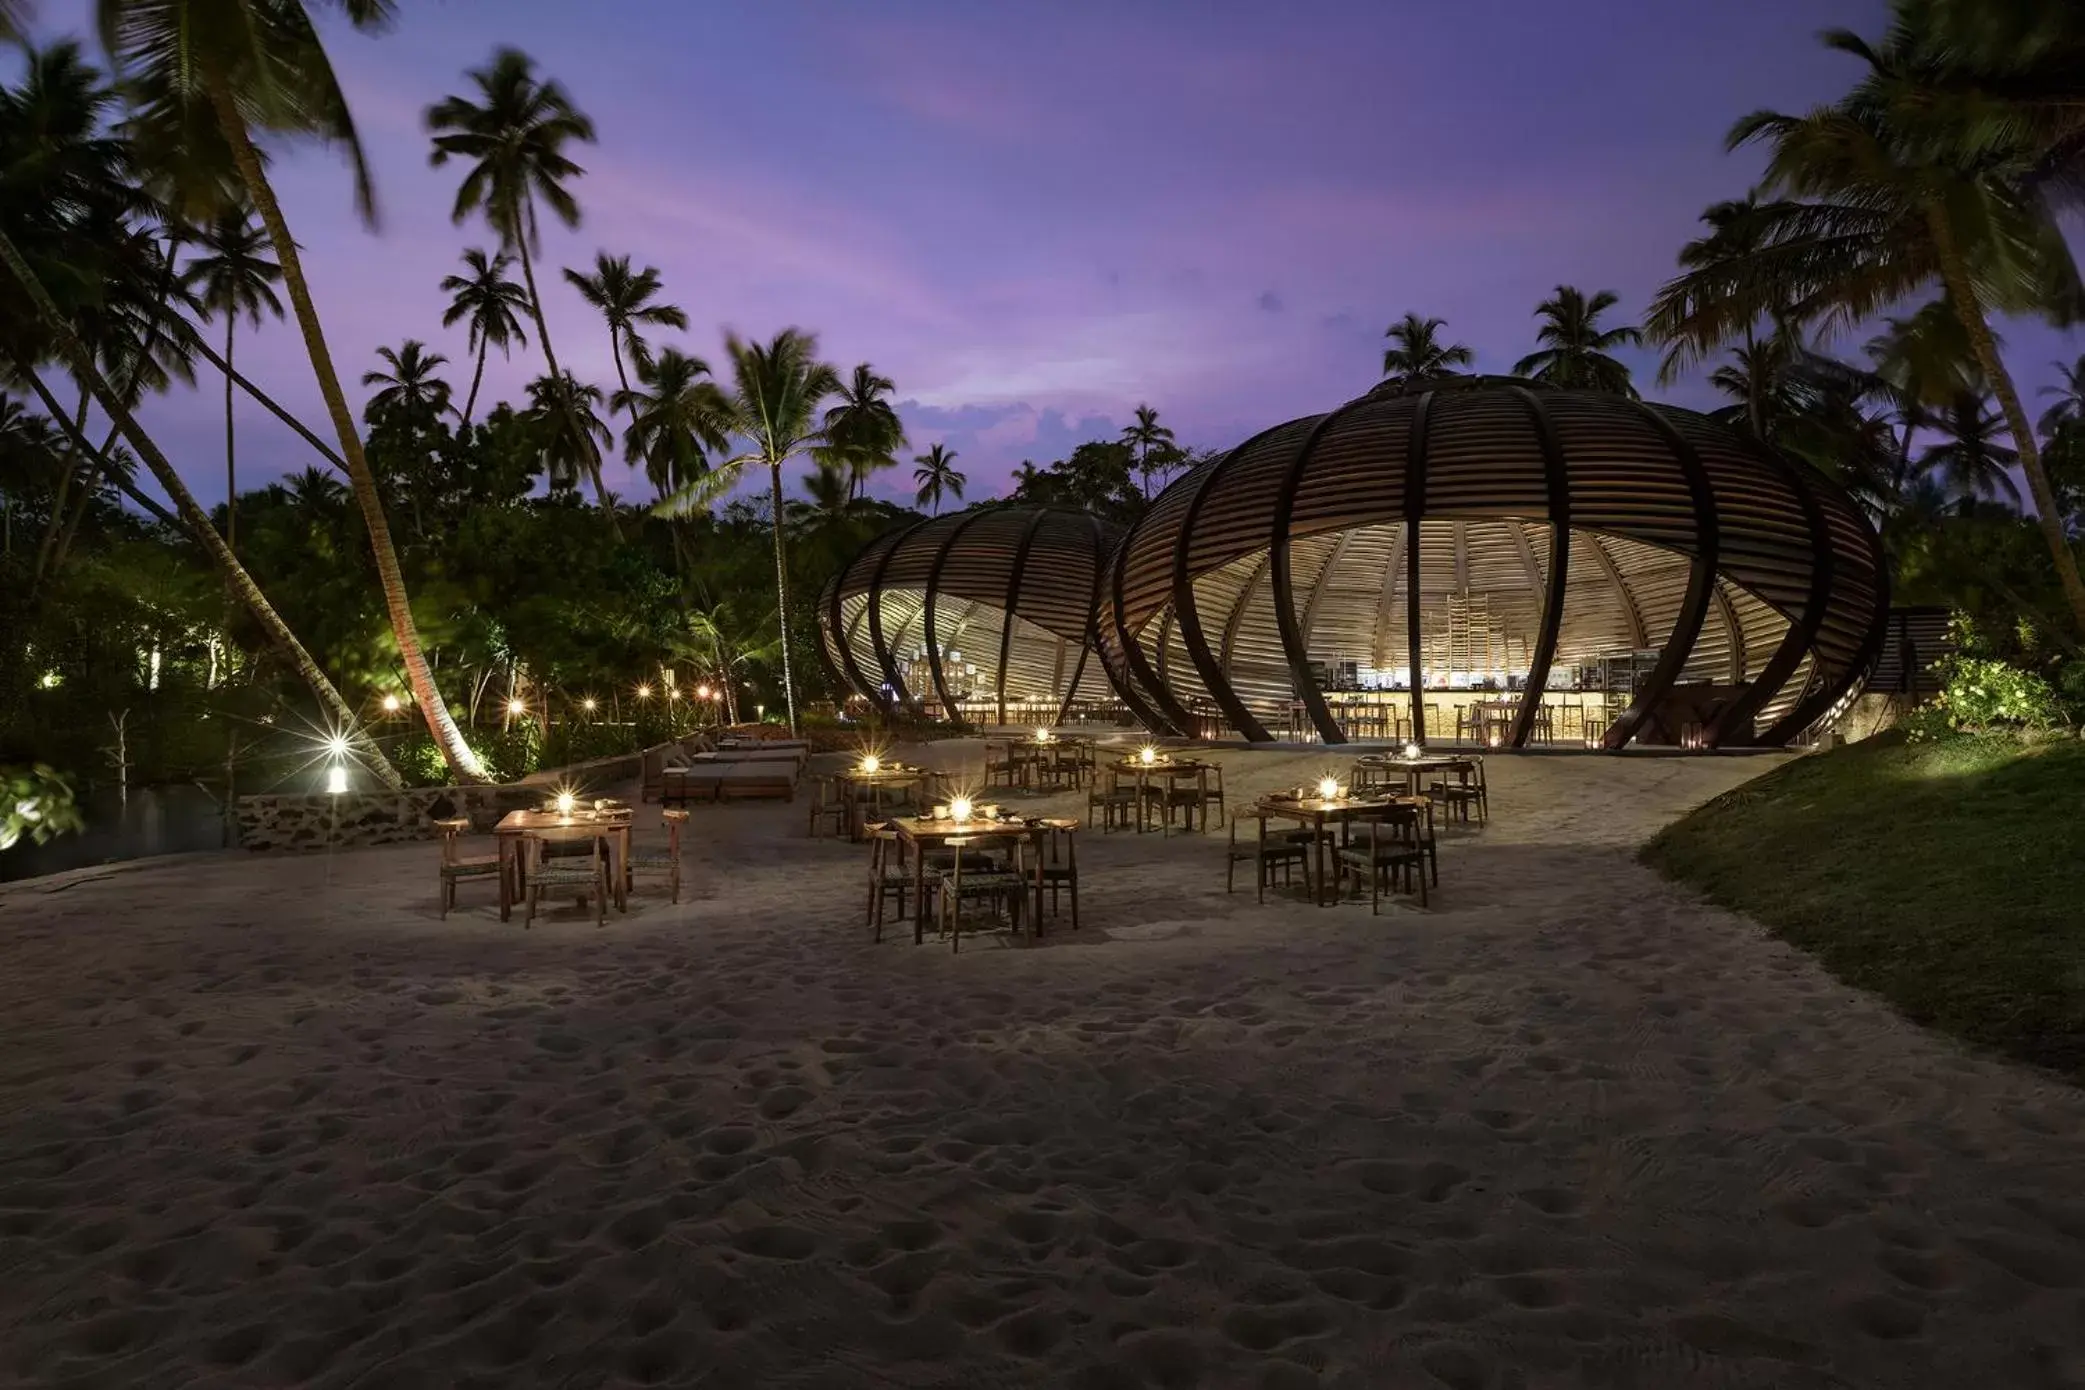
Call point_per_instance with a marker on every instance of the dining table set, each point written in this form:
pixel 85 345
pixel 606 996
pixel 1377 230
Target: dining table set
pixel 526 838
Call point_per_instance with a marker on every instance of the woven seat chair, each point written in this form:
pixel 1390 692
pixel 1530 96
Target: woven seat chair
pixel 1460 788
pixel 889 874
pixel 1266 851
pixel 582 878
pixel 997 886
pixel 666 865
pixel 457 866
pixel 1391 848
pixel 1060 867
pixel 1114 802
pixel 826 805
pixel 1212 795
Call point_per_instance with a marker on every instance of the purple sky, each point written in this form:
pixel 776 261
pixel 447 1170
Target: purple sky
pixel 1033 217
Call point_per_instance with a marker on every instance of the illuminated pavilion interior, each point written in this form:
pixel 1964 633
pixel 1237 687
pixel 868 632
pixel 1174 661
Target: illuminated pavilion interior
pixel 1557 566
pixel 987 613
pixel 1587 569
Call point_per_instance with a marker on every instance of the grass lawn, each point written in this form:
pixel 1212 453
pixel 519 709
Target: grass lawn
pixel 1949 878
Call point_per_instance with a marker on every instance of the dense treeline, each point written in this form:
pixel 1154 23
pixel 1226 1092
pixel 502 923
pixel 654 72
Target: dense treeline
pixel 451 578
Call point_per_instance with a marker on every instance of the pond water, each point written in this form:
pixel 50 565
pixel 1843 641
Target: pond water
pixel 158 820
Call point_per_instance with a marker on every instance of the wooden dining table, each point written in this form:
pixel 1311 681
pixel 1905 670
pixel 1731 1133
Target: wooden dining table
pixel 921 833
pixel 517 828
pixel 890 775
pixel 1318 813
pixel 1169 769
pixel 1412 769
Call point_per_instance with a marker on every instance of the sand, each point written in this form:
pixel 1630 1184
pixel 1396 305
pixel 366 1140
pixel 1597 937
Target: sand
pixel 268 1121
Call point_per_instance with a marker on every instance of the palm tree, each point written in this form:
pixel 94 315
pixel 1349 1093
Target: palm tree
pixel 624 298
pixel 207 76
pixel 568 430
pixel 1143 435
pixel 2070 398
pixel 1887 210
pixel 1418 354
pixel 411 384
pixel 937 476
pixel 677 417
pixel 1575 350
pixel 865 430
pixel 777 389
pixel 71 193
pixel 1969 459
pixel 489 301
pixel 515 137
pixel 234 277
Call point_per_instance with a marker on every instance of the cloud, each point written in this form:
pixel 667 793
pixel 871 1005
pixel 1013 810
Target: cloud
pixel 990 439
pixel 1269 302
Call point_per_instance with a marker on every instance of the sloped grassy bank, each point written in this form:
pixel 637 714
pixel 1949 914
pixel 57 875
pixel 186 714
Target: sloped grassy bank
pixel 1947 877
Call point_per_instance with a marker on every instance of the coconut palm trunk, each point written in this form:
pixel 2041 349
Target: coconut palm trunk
pixel 462 762
pixel 192 515
pixel 535 307
pixel 782 593
pixel 231 471
pixel 1954 271
pixel 470 402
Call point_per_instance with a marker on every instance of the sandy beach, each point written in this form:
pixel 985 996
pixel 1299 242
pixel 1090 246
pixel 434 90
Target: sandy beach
pixel 269 1121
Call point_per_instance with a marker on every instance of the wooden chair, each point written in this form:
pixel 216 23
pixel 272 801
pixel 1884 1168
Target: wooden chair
pixel 1113 804
pixel 1266 851
pixel 1212 794
pixel 826 805
pixel 995 886
pixel 1059 848
pixel 1460 788
pixel 457 866
pixel 668 864
pixel 890 876
pixel 1391 847
pixel 1185 792
pixel 569 875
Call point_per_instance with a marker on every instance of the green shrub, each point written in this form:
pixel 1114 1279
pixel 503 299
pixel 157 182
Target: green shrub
pixel 35 801
pixel 1985 695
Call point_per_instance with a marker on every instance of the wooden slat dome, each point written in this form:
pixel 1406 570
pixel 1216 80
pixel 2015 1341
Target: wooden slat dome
pixel 1493 533
pixel 988 609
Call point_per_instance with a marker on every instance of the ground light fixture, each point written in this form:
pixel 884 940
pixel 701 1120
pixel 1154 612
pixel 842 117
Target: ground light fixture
pixel 336 779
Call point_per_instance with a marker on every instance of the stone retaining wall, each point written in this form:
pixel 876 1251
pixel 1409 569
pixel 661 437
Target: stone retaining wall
pixel 315 820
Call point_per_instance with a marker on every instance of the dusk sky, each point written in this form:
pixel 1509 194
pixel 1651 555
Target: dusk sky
pixel 1035 216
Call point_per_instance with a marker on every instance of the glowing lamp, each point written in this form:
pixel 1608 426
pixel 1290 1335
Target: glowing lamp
pixel 591 704
pixel 336 747
pixel 336 779
pixel 871 764
pixel 1328 788
pixel 391 703
pixel 1042 735
pixel 516 707
pixel 959 809
pixel 702 692
pixel 564 803
pixel 673 692
pixel 644 692
pixel 1411 750
pixel 1147 755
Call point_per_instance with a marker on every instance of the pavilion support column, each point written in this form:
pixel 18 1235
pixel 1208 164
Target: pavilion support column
pixel 1802 631
pixel 1215 678
pixel 1557 480
pixel 894 682
pixel 1701 583
pixel 1013 598
pixel 1414 513
pixel 1301 679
